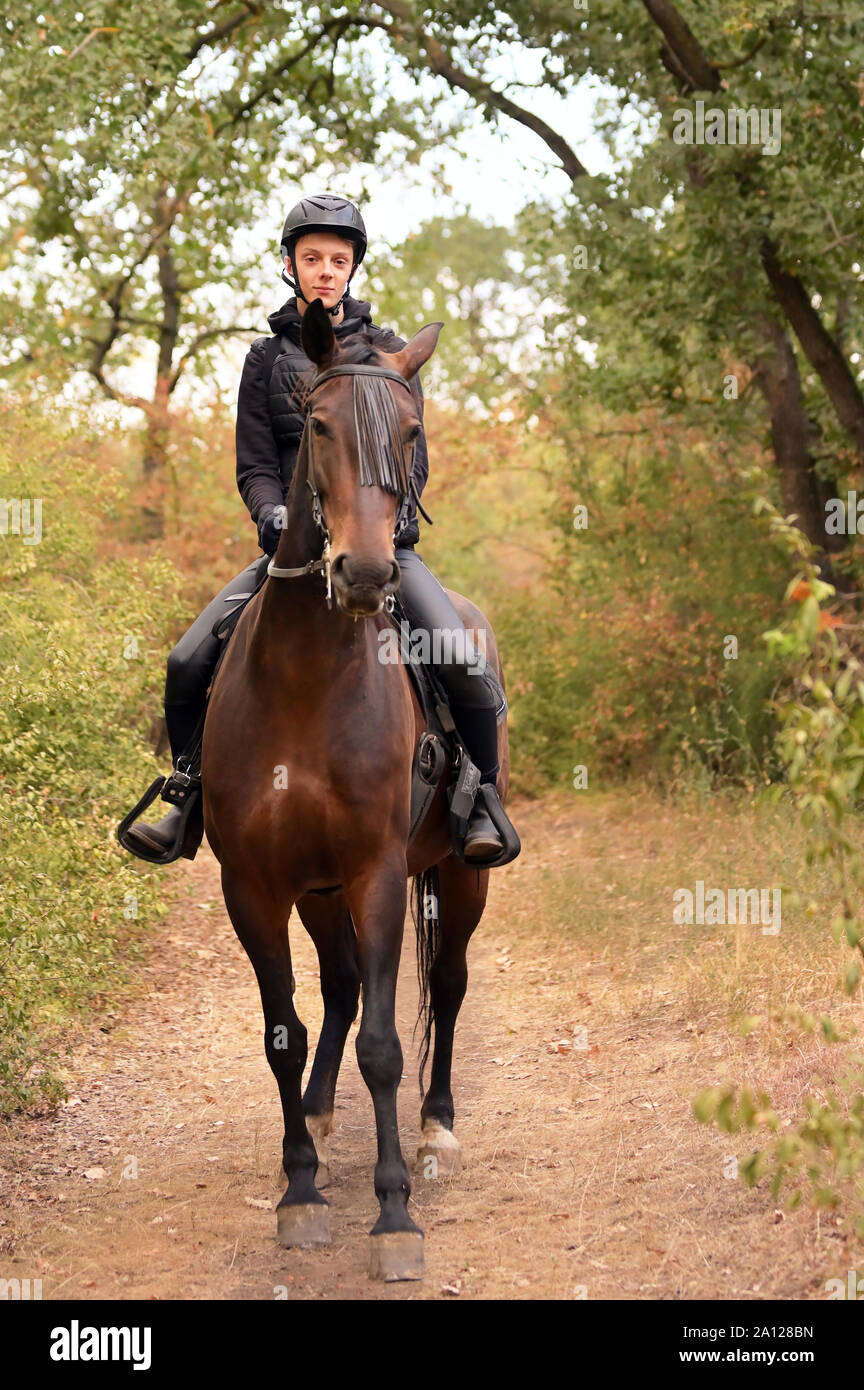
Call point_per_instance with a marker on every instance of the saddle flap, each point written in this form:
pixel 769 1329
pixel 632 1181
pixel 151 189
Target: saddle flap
pixel 430 760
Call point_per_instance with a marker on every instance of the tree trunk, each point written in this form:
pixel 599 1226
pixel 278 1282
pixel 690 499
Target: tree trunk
pixel 155 466
pixel 821 350
pixel 802 490
pixel 160 485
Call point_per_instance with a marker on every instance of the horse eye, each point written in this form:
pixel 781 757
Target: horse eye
pixel 317 426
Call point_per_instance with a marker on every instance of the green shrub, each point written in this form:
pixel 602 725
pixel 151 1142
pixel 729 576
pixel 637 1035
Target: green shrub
pixel 819 706
pixel 76 703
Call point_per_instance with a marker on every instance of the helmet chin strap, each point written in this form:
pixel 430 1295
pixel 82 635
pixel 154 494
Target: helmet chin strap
pixel 300 295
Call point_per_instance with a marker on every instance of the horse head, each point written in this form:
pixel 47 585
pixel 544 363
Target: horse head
pixel 362 422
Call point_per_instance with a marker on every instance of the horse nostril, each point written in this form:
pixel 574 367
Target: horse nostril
pixel 364 571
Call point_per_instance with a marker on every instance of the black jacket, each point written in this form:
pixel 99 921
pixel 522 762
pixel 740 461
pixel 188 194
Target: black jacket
pixel 269 425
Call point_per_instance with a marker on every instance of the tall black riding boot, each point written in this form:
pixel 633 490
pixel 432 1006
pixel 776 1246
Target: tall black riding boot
pixel 190 671
pixel 479 730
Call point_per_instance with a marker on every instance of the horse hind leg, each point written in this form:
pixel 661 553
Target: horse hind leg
pixel 261 926
pixel 329 924
pixel 462 898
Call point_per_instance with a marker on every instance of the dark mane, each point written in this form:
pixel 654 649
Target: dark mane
pixel 384 461
pixel 356 348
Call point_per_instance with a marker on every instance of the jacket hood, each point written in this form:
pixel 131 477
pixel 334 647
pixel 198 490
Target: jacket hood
pixel 288 319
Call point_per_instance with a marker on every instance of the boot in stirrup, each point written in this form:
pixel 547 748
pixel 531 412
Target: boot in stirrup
pixel 489 839
pixel 178 833
pixel 482 840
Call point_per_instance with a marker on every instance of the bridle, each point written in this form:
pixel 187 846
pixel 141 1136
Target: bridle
pixel 380 475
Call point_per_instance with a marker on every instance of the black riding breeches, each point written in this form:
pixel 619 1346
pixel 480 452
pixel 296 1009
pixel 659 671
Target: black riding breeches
pixel 458 655
pixel 193 660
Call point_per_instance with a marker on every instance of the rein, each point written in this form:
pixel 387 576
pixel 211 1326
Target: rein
pixel 380 464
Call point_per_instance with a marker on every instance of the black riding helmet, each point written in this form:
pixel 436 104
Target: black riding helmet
pixel 325 212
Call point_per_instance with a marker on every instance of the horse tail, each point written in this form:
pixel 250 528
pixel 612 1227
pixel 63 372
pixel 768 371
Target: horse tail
pixel 424 907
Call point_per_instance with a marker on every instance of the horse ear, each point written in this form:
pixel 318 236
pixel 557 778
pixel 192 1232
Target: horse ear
pixel 410 359
pixel 317 338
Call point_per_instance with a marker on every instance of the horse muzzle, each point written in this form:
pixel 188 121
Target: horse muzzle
pixel 361 584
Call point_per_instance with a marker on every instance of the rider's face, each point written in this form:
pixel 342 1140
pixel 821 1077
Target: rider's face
pixel 323 263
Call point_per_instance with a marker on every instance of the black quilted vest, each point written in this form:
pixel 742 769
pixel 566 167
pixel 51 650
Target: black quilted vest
pixel 291 364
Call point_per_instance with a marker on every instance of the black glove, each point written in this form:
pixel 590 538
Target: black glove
pixel 270 528
pixel 410 537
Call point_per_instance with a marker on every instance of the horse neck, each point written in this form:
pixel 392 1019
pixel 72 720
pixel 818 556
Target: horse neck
pixel 301 540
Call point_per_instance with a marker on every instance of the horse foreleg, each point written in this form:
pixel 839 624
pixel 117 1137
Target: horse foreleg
pixel 261 923
pixel 462 898
pixel 329 924
pixel 377 900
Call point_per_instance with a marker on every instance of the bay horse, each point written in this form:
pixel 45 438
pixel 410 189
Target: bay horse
pixel 306 773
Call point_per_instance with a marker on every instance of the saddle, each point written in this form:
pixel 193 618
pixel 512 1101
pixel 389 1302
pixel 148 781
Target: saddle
pixel 440 747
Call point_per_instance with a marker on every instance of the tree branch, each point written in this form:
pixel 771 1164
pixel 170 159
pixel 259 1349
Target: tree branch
pixel 440 62
pixel 199 342
pixel 821 350
pixel 122 398
pixel 244 109
pixel 94 33
pixel 681 53
pixel 228 26
pixel 745 57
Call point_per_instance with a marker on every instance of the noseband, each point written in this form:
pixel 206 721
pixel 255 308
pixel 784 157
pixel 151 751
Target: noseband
pixel 376 471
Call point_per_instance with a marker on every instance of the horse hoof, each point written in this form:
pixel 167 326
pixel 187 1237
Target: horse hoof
pixel 440 1153
pixel 396 1255
pixel 303 1224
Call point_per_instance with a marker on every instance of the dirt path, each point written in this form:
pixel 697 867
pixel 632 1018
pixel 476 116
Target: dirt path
pixel 585 1173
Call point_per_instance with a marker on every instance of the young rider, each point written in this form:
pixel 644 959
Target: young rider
pixel 323 243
